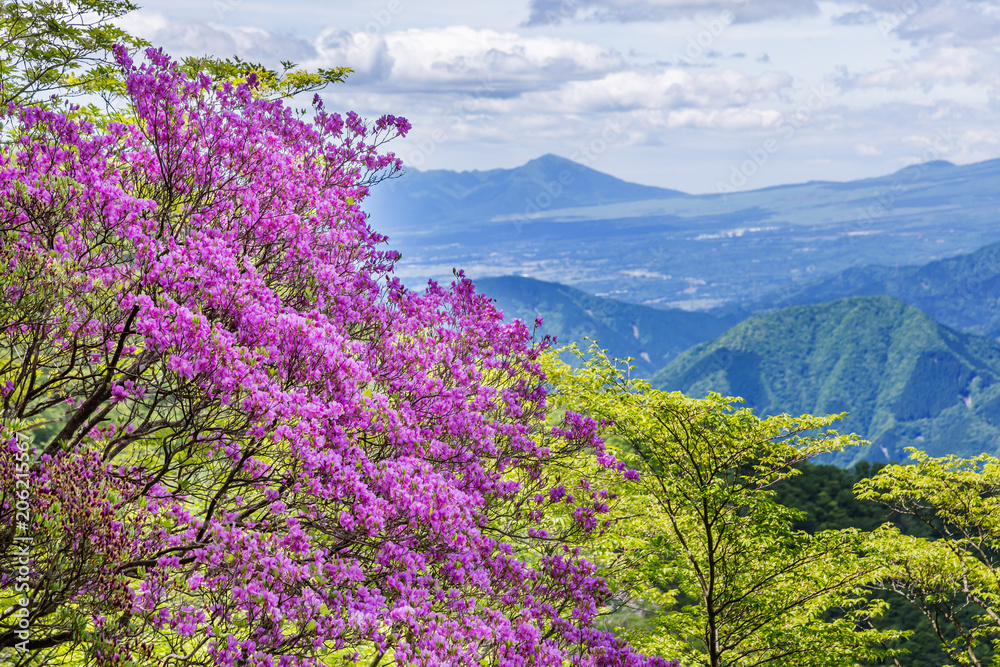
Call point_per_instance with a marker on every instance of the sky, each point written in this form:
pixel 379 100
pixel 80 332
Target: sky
pixel 702 96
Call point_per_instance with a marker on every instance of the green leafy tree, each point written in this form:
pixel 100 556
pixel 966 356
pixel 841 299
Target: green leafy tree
pixel 46 46
pixel 826 494
pixel 53 47
pixel 714 557
pixel 289 81
pixel 954 580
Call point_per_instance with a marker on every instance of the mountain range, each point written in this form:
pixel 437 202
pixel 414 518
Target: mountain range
pixel 962 292
pixel 557 220
pixel 904 379
pixel 878 297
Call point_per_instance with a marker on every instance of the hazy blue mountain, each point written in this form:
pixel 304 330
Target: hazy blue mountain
pixel 650 336
pixel 547 183
pixel 662 248
pixel 905 379
pixel 962 292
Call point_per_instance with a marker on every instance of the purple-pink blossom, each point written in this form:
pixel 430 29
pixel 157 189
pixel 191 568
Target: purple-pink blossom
pixel 269 441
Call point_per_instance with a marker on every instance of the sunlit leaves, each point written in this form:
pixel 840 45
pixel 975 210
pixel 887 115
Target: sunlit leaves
pixel 720 575
pixel 955 579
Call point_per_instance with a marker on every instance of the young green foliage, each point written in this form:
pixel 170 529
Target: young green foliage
pixel 713 552
pixel 47 45
pixel 273 84
pixel 953 580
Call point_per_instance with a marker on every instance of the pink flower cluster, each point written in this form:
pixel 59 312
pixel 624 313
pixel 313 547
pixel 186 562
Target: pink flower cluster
pixel 282 452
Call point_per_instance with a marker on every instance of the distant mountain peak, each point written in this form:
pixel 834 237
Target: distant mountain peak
pixel 552 159
pixel 921 167
pixel 553 166
pixel 549 182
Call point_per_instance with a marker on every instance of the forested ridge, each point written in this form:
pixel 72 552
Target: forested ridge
pixel 904 379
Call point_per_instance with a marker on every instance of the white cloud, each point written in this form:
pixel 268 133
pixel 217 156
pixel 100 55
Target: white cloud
pixel 143 23
pixel 933 66
pixel 723 119
pixel 550 12
pixel 968 20
pixel 368 55
pixel 438 59
pixel 669 89
pixel 493 94
pixel 444 57
pixel 954 22
pixel 188 38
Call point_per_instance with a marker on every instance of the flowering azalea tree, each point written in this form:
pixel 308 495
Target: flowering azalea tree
pixel 230 436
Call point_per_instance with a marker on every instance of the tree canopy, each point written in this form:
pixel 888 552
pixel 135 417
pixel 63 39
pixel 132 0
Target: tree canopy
pixel 45 45
pixel 954 579
pixel 53 47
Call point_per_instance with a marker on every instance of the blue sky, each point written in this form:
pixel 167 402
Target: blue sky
pixel 696 95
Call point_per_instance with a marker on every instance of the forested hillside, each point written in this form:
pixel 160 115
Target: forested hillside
pixel 905 380
pixel 825 493
pixel 650 336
